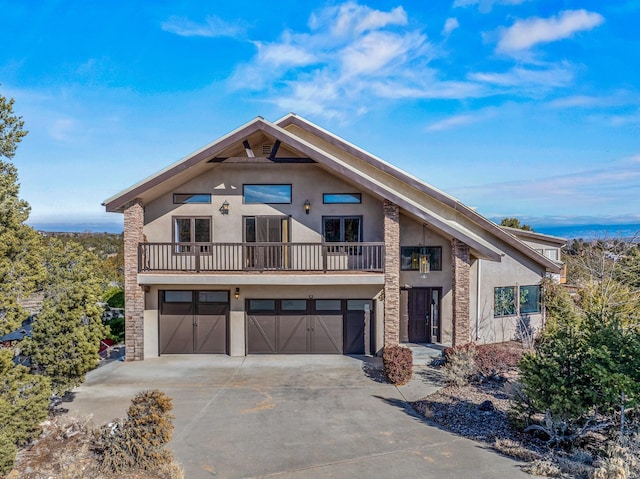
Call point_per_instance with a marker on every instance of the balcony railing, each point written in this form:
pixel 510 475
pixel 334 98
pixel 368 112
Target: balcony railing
pixel 221 257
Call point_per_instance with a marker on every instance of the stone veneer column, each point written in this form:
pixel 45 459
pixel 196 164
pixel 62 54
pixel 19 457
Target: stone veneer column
pixel 461 265
pixel 133 292
pixel 391 273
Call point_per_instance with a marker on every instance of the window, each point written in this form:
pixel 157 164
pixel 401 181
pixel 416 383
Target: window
pixel 552 254
pixel 192 230
pixel 184 198
pixel 178 296
pixel 293 304
pixel 341 198
pixel 529 299
pixel 269 194
pixel 410 257
pixel 213 296
pixel 328 305
pixel 262 305
pixel 504 301
pixel 342 229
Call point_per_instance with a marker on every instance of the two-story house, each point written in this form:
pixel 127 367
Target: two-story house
pixel 284 238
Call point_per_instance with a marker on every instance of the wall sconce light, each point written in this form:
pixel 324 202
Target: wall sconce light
pixel 424 265
pixel 307 207
pixel 224 209
pixel 237 293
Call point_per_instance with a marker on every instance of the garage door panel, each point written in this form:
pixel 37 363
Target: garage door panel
pixel 292 334
pixel 326 336
pixel 211 334
pixel 176 334
pixel 354 334
pixel 261 334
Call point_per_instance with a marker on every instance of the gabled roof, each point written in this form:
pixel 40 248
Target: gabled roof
pixel 382 179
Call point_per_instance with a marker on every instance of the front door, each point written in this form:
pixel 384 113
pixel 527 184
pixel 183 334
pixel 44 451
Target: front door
pixel 423 315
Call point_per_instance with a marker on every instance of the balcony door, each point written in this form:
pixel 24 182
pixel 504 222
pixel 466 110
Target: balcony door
pixel 269 233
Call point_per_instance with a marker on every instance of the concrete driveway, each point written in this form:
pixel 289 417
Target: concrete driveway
pixel 288 417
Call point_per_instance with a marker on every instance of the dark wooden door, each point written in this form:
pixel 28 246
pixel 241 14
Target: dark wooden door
pixel 423 315
pixel 419 311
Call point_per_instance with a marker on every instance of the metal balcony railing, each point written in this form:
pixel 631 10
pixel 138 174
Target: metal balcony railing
pixel 221 257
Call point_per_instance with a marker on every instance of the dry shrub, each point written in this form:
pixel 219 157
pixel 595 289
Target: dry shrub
pixel 514 449
pixel 494 360
pixel 543 467
pixel 620 462
pixel 460 364
pixel 398 364
pixel 139 441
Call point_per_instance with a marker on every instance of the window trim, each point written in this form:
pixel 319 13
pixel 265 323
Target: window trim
pixel 357 196
pixel 245 202
pixel 176 202
pixel 432 267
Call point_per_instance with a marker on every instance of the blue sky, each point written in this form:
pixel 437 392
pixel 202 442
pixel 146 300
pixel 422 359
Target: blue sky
pixel 517 107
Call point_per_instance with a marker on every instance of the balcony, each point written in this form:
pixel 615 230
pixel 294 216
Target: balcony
pixel 259 257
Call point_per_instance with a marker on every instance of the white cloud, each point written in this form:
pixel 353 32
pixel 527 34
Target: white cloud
pixel 461 120
pixel 452 122
pixel 524 34
pixel 485 6
pixel 351 19
pixel 211 27
pixel 600 190
pixel 450 25
pixel 525 78
pixel 351 56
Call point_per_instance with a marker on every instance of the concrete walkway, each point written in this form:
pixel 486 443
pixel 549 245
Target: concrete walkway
pixel 290 417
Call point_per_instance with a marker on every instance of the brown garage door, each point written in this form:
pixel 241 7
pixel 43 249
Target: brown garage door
pixel 300 326
pixel 193 322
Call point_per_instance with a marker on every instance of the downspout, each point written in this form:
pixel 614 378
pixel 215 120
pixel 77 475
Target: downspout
pixel 478 300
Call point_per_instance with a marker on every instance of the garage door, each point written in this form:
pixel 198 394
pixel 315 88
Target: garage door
pixel 193 322
pixel 300 326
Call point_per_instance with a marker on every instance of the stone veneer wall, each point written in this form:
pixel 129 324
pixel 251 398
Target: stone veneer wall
pixel 133 292
pixel 391 273
pixel 461 264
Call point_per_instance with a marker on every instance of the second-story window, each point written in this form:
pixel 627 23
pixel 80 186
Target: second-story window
pixel 342 229
pixel 266 194
pixel 192 229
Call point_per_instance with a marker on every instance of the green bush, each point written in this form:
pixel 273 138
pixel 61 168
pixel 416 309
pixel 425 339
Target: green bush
pixel 398 364
pixel 24 403
pixel 579 372
pixel 140 440
pixel 116 329
pixel 114 297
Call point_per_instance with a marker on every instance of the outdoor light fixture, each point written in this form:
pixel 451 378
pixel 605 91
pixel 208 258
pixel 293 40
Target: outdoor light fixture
pixel 224 209
pixel 424 265
pixel 237 293
pixel 307 207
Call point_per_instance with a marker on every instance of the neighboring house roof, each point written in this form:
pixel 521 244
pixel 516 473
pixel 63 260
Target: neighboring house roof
pixel 414 196
pixel 535 236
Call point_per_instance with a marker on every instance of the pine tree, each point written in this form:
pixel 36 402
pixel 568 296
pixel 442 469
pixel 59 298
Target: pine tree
pixel 24 402
pixel 20 268
pixel 67 332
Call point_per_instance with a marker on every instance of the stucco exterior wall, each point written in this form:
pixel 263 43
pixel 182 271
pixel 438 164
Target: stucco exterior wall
pixel 513 270
pixel 225 181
